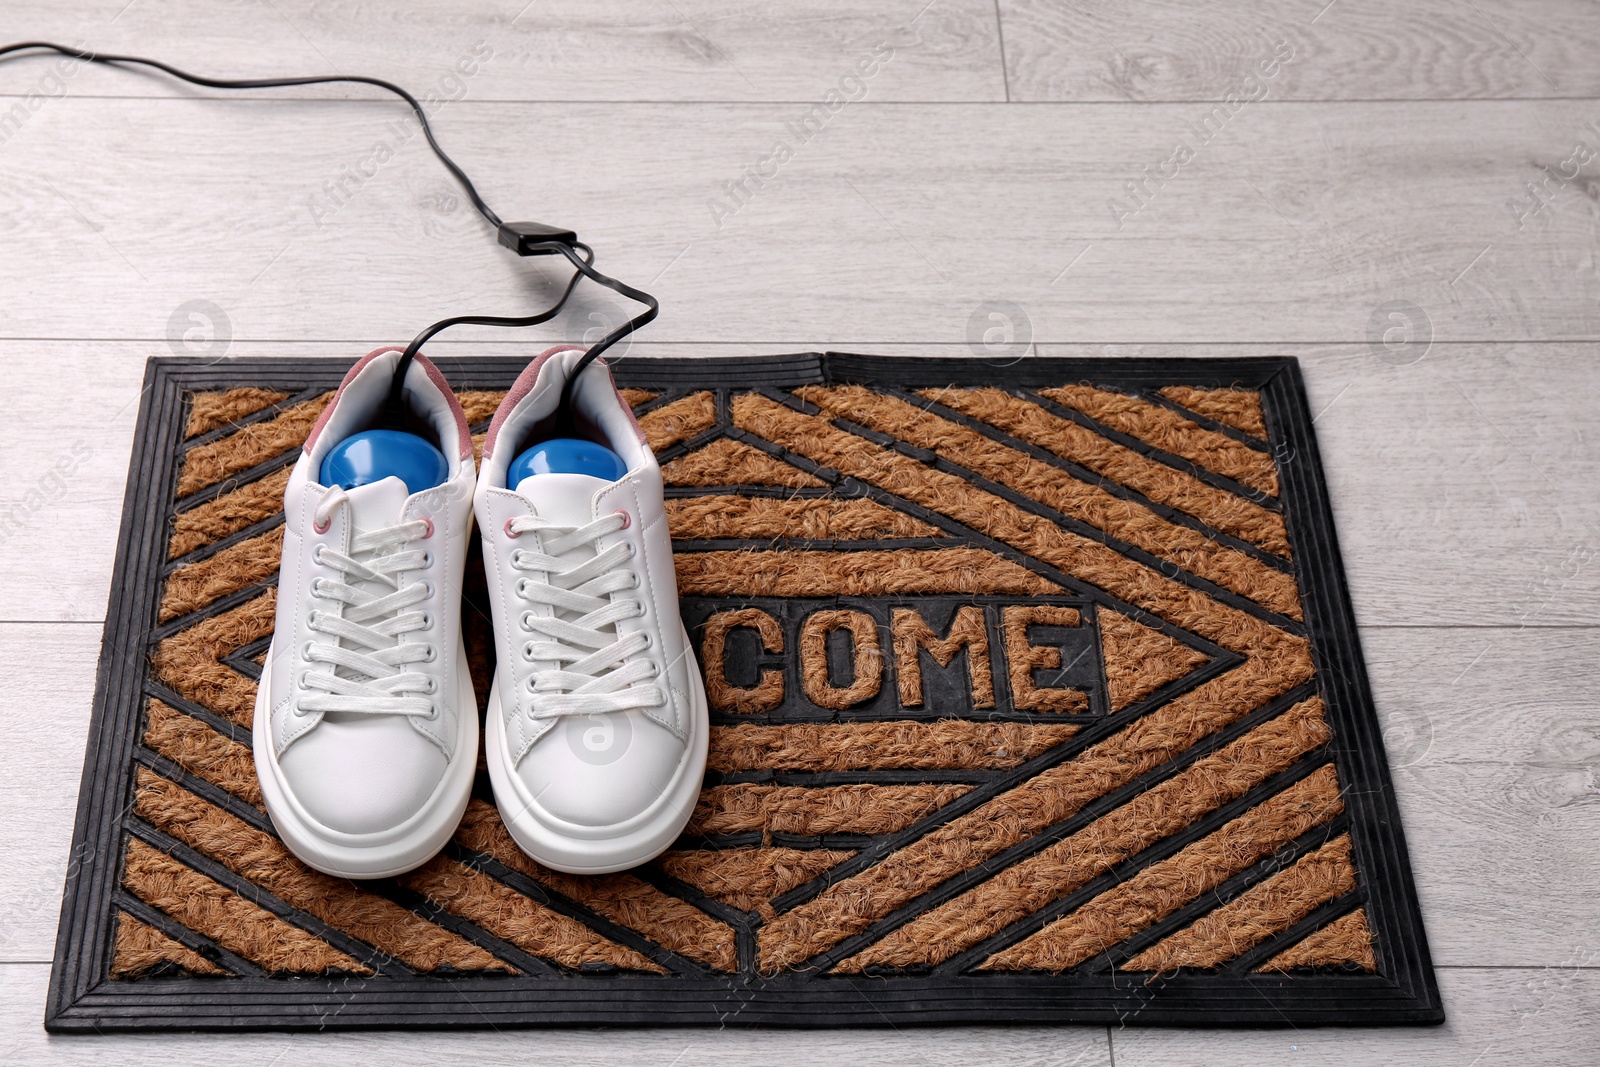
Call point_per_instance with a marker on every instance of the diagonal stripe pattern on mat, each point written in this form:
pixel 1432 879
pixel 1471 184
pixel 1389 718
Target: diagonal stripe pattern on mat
pixel 1181 810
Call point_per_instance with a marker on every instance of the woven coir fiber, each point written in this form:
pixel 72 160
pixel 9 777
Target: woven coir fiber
pixel 1033 697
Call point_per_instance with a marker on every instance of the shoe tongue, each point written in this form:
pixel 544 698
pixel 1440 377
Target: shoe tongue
pixel 378 504
pixel 567 499
pixel 374 506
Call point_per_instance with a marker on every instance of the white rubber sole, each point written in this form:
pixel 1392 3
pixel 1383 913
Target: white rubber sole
pixel 542 836
pixel 389 852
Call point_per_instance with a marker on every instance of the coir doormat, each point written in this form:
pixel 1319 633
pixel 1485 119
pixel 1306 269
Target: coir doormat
pixel 1036 697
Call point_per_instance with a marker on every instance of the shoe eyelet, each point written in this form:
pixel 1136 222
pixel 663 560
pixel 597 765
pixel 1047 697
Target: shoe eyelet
pixel 433 712
pixel 523 620
pixel 627 520
pixel 322 527
pixel 649 641
pixel 427 559
pixel 433 686
pixel 427 620
pixel 513 534
pixel 432 655
pixel 305 653
pixel 316 553
pixel 298 711
pixel 527 651
pixel 521 588
pixel 427 585
pixel 428 528
pixel 632 551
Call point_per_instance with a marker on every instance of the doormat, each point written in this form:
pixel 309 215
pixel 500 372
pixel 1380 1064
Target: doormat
pixel 1036 698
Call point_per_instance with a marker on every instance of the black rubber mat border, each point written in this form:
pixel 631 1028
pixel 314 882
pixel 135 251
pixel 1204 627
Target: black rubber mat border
pixel 83 999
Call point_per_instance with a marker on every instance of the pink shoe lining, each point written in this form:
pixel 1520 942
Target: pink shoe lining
pixel 462 432
pixel 524 385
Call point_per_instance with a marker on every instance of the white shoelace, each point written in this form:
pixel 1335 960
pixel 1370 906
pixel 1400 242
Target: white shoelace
pixel 597 670
pixel 369 672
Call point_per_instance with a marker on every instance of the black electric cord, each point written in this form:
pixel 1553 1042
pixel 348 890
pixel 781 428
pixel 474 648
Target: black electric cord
pixel 524 238
pixel 582 258
pixel 394 405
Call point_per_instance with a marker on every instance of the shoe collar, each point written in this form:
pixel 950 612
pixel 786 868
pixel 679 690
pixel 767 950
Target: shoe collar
pixel 362 392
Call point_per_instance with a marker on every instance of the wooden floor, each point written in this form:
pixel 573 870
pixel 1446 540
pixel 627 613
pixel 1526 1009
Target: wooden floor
pixel 1365 206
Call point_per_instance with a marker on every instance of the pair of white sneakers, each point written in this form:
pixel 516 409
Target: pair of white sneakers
pixel 366 726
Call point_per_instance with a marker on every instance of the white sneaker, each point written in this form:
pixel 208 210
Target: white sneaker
pixel 366 727
pixel 597 726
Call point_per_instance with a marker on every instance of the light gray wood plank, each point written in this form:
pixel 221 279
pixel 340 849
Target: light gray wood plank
pixel 894 223
pixel 1493 737
pixel 70 412
pixel 23 1042
pixel 44 722
pixel 1140 50
pixel 1464 485
pixel 1497 1018
pixel 1492 733
pixel 547 50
